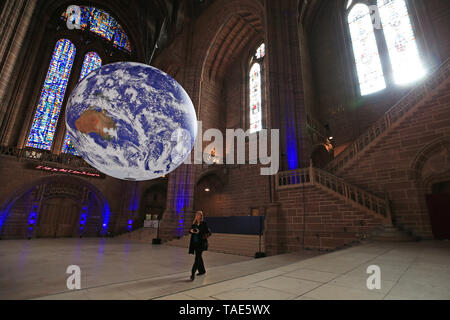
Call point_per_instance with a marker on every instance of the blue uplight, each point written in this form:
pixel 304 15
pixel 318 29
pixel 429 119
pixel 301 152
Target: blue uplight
pixel 291 144
pixel 106 214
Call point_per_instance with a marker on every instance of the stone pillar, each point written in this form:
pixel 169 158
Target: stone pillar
pixel 285 92
pixel 273 230
pixel 14 22
pixel 179 214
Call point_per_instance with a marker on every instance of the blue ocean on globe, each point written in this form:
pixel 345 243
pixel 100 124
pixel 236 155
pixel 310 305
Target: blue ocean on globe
pixel 131 121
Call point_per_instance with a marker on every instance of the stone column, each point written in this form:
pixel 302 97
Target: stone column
pixel 273 229
pixel 14 22
pixel 178 215
pixel 285 92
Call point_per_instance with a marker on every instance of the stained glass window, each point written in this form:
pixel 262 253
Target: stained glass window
pixel 401 41
pixel 255 98
pixel 100 23
pixel 92 61
pixel 52 96
pixel 261 51
pixel 349 3
pixel 365 49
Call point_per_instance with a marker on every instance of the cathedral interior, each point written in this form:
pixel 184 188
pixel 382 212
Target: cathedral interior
pixel 357 89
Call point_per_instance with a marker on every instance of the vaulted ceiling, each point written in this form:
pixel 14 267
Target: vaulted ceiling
pixel 234 36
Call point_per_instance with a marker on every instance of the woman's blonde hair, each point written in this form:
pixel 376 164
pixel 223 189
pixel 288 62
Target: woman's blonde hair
pixel 198 217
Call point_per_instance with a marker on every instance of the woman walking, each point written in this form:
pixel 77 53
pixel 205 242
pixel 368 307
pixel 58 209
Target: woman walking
pixel 199 243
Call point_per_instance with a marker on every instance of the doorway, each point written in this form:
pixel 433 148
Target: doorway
pixel 439 208
pixel 58 218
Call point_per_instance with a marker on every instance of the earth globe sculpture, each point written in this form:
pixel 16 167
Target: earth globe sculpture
pixel 131 121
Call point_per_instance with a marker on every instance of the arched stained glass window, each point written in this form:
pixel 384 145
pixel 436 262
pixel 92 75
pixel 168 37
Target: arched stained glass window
pixel 365 49
pixel 401 41
pixel 255 98
pixel 52 96
pixel 99 22
pixel 92 61
pixel 255 89
pixel 261 51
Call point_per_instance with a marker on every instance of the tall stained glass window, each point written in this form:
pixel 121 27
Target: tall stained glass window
pixel 101 23
pixel 52 96
pixel 92 61
pixel 255 88
pixel 365 49
pixel 401 41
pixel 260 52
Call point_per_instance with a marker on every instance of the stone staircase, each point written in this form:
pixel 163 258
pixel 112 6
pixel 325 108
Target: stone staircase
pixel 391 234
pixel 417 97
pixel 356 197
pixel 237 244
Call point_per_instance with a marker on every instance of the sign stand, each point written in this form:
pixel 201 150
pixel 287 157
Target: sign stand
pixel 260 254
pixel 157 240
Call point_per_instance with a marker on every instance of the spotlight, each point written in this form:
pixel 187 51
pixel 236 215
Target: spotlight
pixel 207 189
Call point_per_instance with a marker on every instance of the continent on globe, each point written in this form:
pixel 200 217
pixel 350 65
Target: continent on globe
pixel 92 121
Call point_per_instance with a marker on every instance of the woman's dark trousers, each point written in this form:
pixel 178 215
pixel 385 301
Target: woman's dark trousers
pixel 198 264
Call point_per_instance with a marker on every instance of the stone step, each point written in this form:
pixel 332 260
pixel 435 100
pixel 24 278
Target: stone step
pixel 245 245
pixel 391 234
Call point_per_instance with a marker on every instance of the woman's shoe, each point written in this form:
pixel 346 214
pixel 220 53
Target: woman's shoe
pixel 192 277
pixel 201 273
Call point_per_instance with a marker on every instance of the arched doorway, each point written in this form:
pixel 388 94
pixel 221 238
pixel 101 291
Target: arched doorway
pixel 153 203
pixel 438 203
pixel 58 218
pixel 431 170
pixel 55 206
pixel 209 191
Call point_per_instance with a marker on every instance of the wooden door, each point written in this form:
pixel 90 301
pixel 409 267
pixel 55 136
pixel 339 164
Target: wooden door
pixel 439 209
pixel 58 218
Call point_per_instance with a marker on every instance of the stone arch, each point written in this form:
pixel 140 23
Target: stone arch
pixel 154 200
pixel 208 189
pixel 74 183
pixel 430 166
pixel 208 44
pixel 432 163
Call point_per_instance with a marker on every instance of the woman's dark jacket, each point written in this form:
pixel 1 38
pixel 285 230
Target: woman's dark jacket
pixel 201 242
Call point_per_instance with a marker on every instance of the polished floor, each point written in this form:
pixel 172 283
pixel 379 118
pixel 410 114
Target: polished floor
pixel 119 269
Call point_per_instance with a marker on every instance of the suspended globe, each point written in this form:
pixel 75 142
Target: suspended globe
pixel 131 121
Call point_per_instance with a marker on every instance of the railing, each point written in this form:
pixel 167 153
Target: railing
pixel 392 116
pixel 316 126
pixel 312 176
pixel 44 156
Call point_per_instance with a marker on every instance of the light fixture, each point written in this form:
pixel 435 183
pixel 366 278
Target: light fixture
pixel 330 138
pixel 207 189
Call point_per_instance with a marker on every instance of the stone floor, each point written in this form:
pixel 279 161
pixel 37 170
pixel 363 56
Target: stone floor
pixel 119 269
